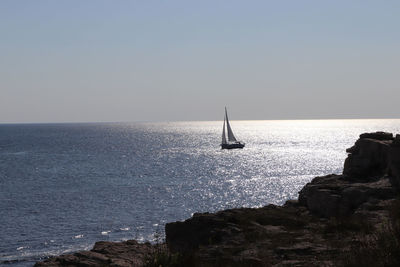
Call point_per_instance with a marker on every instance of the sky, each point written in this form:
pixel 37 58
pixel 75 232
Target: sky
pixel 96 61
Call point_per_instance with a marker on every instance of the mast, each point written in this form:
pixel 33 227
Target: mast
pixel 223 133
pixel 231 137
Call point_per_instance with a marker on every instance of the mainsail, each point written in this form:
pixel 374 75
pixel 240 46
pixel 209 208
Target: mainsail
pixel 223 134
pixel 231 142
pixel 231 137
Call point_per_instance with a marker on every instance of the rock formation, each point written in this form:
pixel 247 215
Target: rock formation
pixel 321 226
pixel 104 253
pixel 369 156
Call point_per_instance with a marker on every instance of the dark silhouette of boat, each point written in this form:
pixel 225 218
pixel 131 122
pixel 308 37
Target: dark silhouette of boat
pixel 231 142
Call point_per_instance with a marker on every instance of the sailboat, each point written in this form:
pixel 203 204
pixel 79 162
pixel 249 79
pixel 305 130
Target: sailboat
pixel 232 142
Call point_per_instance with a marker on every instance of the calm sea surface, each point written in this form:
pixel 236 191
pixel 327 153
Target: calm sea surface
pixel 65 186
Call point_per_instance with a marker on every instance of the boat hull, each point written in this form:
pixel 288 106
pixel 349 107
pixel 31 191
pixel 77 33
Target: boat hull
pixel 232 146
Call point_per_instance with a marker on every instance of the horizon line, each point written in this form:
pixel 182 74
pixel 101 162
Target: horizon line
pixel 172 121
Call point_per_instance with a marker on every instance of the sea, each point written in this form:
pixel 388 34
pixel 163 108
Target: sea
pixel 65 186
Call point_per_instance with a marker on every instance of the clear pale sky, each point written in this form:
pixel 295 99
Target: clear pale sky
pixel 66 61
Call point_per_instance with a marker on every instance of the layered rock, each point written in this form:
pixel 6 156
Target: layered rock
pixel 336 196
pixel 365 178
pixel 313 231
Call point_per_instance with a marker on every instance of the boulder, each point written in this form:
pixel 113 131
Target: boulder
pixel 368 157
pixel 201 229
pixel 322 195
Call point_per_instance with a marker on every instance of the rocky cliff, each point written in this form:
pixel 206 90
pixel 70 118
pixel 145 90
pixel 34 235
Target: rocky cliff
pixel 337 220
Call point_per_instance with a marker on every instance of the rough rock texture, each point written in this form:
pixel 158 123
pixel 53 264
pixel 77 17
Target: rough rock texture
pixel 368 157
pixel 118 254
pixel 313 231
pixel 247 237
pixel 336 195
pixel 365 177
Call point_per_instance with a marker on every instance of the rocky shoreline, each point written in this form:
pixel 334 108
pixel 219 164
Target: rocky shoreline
pixel 339 220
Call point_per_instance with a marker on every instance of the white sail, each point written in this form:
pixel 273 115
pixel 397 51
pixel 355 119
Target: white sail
pixel 231 137
pixel 223 134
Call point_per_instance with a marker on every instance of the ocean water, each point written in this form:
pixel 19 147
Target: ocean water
pixel 65 186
